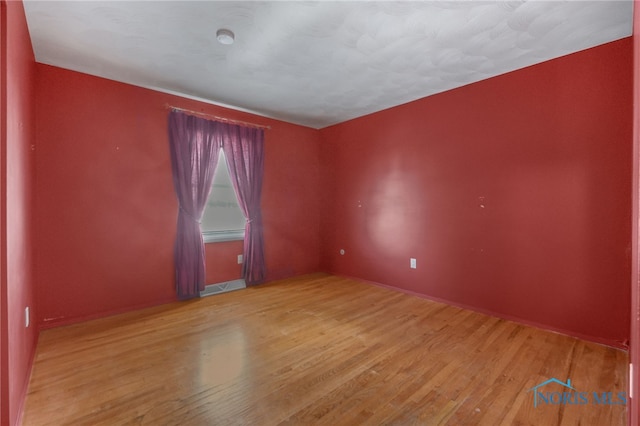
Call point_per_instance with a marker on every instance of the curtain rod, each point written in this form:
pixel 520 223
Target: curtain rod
pixel 218 118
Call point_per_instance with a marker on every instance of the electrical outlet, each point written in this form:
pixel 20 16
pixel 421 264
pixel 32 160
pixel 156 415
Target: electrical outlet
pixel 26 317
pixel 240 259
pixel 413 263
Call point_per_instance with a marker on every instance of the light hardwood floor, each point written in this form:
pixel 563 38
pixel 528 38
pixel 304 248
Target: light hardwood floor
pixel 315 350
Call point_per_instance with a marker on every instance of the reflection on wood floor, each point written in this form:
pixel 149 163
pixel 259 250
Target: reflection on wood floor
pixel 316 349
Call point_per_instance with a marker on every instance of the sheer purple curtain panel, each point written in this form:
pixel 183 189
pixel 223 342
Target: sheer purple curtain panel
pixel 194 151
pixel 244 148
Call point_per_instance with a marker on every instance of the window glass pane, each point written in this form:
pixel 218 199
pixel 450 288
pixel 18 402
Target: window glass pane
pixel 222 212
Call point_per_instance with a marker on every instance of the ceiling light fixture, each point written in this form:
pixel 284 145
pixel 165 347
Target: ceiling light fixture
pixel 225 36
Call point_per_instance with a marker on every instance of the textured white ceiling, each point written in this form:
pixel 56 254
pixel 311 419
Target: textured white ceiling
pixel 315 63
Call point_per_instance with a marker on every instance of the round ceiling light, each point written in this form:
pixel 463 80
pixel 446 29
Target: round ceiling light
pixel 225 36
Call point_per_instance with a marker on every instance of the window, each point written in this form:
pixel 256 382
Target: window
pixel 222 219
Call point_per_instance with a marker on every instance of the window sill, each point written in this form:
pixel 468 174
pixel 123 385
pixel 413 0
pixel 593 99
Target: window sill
pixel 221 236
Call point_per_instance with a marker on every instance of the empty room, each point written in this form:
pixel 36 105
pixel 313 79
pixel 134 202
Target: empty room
pixel 331 213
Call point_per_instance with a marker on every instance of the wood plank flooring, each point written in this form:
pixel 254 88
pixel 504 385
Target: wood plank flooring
pixel 319 350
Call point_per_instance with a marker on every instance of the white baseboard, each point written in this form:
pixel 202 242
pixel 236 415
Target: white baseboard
pixel 224 287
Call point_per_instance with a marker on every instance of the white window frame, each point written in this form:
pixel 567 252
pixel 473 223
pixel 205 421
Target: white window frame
pixel 225 235
pixel 221 236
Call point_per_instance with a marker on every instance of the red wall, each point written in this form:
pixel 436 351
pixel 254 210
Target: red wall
pixel 18 343
pixel 222 261
pixel 512 193
pixel 106 208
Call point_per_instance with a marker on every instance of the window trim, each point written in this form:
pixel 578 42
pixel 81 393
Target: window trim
pixel 221 236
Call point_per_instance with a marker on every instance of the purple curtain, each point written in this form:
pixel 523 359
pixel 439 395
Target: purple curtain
pixel 194 151
pixel 243 148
